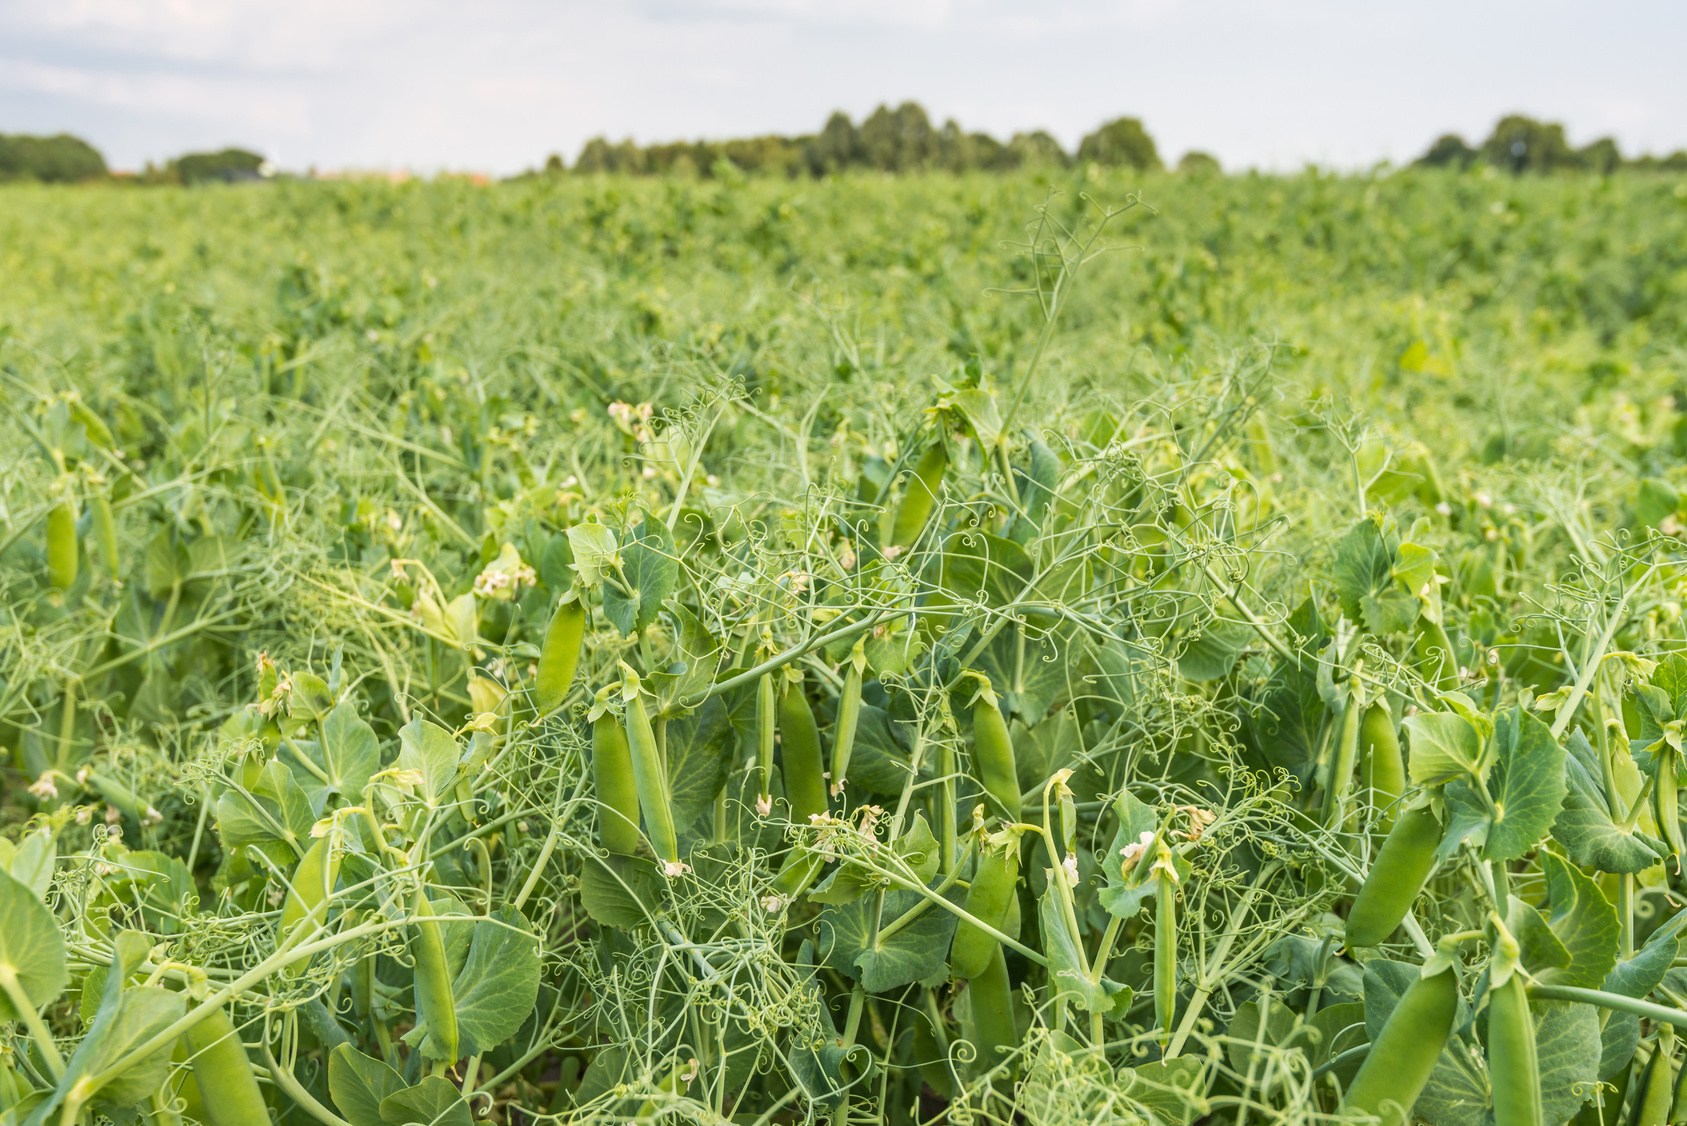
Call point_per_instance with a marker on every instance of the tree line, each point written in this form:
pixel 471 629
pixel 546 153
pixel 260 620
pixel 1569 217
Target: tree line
pixel 890 139
pixel 904 139
pixel 64 159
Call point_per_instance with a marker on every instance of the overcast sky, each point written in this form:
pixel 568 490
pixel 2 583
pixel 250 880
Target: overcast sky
pixel 497 84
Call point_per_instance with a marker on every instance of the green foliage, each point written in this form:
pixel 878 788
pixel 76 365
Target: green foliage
pixel 1122 141
pixel 61 159
pixel 209 167
pixel 353 576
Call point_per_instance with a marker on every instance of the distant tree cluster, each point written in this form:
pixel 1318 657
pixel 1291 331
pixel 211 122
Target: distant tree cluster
pixel 1520 145
pixel 899 139
pixel 60 159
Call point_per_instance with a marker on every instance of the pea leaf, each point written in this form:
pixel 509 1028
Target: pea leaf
pixel 431 751
pixel 432 1102
pixel 699 752
pixel 1364 566
pixel 499 983
pixel 1590 835
pixel 127 1017
pixel 1067 978
pixel 1529 784
pixel 1568 1048
pixel 1442 746
pixel 350 751
pixel 593 546
pixel 1584 921
pixel 1124 891
pixel 358 1085
pixel 31 948
pixel 648 573
pixel 614 889
pixel 916 952
pixel 982 568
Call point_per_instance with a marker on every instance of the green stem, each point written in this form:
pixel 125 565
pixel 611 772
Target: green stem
pixel 1663 1014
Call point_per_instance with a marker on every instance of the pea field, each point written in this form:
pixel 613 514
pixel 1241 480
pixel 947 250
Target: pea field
pixel 1054 648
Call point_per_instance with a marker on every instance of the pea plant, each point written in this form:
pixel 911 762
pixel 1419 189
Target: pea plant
pixel 411 751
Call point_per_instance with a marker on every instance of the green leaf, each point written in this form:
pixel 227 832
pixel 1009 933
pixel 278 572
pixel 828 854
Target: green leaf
pixel 1529 778
pixel 982 568
pixel 917 952
pixel 1125 890
pixel 350 751
pixel 359 1084
pixel 499 983
pixel 648 574
pixel 1443 745
pixel 619 891
pixel 1584 921
pixel 31 948
pixel 1172 1091
pixel 31 860
pixel 1212 652
pixel 1364 566
pixel 699 750
pixel 127 1017
pixel 1067 978
pixel 1568 1047
pixel 593 546
pixel 1590 835
pixel 431 751
pixel 432 1102
pixel 1639 975
pixel 918 847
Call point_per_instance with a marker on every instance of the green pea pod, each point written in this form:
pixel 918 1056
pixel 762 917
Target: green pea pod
pixel 805 782
pixel 62 550
pixel 990 1024
pixel 306 905
pixel 1434 652
pixel 1165 948
pixel 1666 802
pixel 992 750
pixel 650 776
pixel 767 725
pixel 990 899
pixel 1657 1086
pixel 617 793
pixel 436 1007
pixel 229 1094
pixel 1385 768
pixel 559 656
pixel 849 717
pixel 1341 769
pixel 800 758
pixel 105 533
pixel 1401 868
pixel 919 496
pixel 1397 1067
pixel 1513 1066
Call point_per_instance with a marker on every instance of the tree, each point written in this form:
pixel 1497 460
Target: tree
pixel 1198 163
pixel 1037 149
pixel 1601 156
pixel 900 139
pixel 554 165
pixel 1521 144
pixel 1448 151
pixel 60 159
pixel 836 147
pixel 1122 141
pixel 224 165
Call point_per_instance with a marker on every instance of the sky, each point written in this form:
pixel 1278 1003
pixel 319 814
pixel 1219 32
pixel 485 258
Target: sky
pixel 496 85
